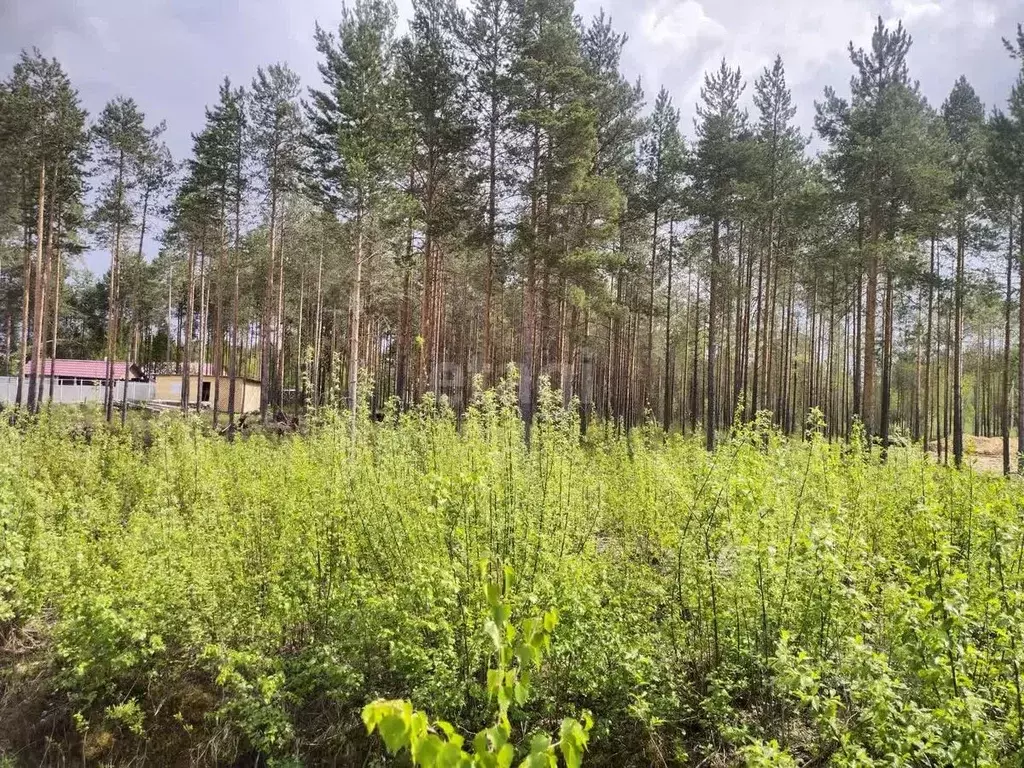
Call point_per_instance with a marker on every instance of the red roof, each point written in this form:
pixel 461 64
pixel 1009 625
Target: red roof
pixel 81 369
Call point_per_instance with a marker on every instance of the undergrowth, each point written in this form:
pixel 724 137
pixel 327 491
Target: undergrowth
pixel 168 597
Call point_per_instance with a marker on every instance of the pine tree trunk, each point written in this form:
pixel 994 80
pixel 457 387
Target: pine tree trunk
pixel 26 296
pixel 958 340
pixel 928 348
pixel 695 400
pixel 318 327
pixel 649 370
pixel 189 328
pixel 233 359
pixel 203 314
pixel 56 321
pixel 526 381
pixel 279 322
pixel 1006 355
pixel 887 340
pixel 492 216
pixel 39 293
pixel 353 364
pixel 1020 341
pixel 218 321
pixel 268 297
pixel 870 311
pixel 667 399
pixel 113 294
pixel 709 426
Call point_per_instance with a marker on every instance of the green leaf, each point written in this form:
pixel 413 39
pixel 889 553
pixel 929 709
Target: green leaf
pixel 501 613
pixel 451 757
pixel 539 743
pixel 494 680
pixel 492 594
pixel 395 731
pixel 527 654
pixel 480 745
pixel 426 750
pixel 572 741
pixel 494 633
pixel 551 620
pixel 372 715
pixel 522 693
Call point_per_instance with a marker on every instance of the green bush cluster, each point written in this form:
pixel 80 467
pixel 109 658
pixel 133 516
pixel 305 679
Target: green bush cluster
pixel 168 597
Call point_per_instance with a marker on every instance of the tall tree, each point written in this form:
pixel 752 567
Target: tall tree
pixel 878 140
pixel 558 131
pixel 121 141
pixel 662 158
pixel 354 145
pixel 45 149
pixel 1008 145
pixel 716 168
pixel 275 137
pixel 433 81
pixel 775 169
pixel 964 117
pixel 491 41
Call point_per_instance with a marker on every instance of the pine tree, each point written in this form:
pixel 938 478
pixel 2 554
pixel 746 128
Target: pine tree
pixel 355 142
pixel 492 44
pixel 275 139
pixel 433 80
pixel 121 141
pixel 716 168
pixel 1008 163
pixel 776 174
pixel 558 132
pixel 662 159
pixel 964 117
pixel 604 214
pixel 880 153
pixel 46 148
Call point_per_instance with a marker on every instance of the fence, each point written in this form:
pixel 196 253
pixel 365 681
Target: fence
pixel 138 391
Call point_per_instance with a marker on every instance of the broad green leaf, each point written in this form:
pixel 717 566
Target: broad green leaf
pixel 395 731
pixel 494 633
pixel 551 620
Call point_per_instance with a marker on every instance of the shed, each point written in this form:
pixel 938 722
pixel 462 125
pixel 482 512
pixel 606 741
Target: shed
pixel 247 391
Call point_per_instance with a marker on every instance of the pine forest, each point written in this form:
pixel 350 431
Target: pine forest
pixel 512 419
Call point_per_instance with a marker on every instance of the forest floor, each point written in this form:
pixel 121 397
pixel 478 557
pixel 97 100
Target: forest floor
pixel 984 454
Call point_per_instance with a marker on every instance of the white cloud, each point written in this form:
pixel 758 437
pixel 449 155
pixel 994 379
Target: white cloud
pixel 910 11
pixel 683 25
pixel 983 15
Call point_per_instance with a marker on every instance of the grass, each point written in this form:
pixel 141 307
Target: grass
pixel 168 597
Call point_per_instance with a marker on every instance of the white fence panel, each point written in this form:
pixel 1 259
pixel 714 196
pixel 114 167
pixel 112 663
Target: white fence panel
pixel 66 394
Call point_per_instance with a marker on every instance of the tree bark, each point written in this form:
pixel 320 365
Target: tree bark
pixel 667 399
pixel 113 293
pixel 709 426
pixel 1006 354
pixel 958 340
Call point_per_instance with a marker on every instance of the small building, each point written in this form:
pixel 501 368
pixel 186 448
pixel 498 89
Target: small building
pixel 247 391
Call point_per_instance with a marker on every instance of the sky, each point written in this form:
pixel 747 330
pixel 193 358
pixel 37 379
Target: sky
pixel 171 55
